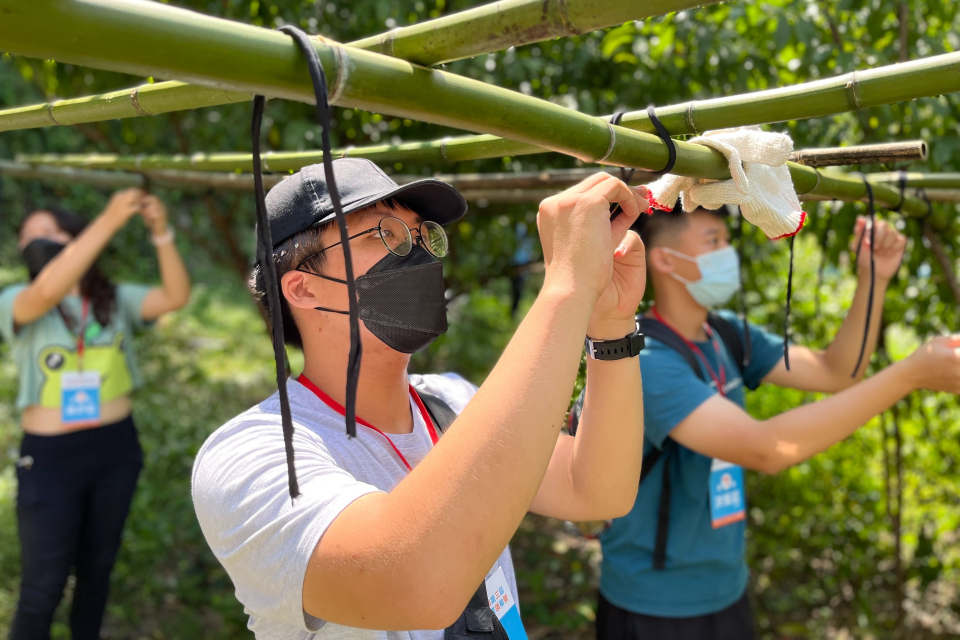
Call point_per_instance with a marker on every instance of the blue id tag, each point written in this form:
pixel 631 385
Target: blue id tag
pixel 504 605
pixel 79 398
pixel 727 499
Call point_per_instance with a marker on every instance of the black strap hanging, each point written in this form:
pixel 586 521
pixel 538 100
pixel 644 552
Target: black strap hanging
pixel 902 180
pixel 625 175
pixel 265 255
pixel 871 211
pixel 664 135
pixel 786 320
pixel 739 239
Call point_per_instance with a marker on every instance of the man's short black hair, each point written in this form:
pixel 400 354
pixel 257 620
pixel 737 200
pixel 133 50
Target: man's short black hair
pixel 659 224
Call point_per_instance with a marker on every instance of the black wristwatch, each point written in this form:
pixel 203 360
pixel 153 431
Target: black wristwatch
pixel 626 347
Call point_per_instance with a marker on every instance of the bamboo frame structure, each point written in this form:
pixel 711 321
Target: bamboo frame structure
pixel 484 29
pixel 885 153
pixel 920 180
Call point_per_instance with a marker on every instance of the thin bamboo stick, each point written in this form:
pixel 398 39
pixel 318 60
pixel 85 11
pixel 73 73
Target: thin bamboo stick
pixel 484 29
pixel 912 150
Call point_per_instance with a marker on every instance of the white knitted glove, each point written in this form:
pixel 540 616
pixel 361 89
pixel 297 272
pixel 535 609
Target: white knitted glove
pixel 664 192
pixel 760 183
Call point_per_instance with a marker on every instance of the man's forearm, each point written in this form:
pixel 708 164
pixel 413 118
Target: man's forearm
pixel 841 355
pixel 800 433
pixel 608 449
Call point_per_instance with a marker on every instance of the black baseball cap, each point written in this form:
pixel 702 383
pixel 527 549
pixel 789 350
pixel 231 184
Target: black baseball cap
pixel 302 200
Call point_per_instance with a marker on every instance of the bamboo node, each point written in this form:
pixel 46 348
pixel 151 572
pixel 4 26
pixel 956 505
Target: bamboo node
pixel 691 124
pixel 613 143
pixel 51 116
pixel 340 82
pixel 565 18
pixel 816 185
pixel 135 101
pixel 853 94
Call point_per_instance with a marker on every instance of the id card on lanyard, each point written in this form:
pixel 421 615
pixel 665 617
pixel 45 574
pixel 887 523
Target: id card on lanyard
pixel 504 605
pixel 725 485
pixel 80 390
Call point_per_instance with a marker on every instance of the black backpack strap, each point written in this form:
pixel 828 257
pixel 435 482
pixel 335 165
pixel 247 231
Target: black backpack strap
pixel 652 328
pixel 663 509
pixel 440 412
pixel 739 351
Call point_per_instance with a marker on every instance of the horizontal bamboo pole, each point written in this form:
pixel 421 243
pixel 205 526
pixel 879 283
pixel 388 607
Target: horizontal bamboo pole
pixel 920 180
pixel 498 187
pixel 913 150
pixel 484 29
pixel 296 160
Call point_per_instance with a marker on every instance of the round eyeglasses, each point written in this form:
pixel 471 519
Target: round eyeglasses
pixel 397 237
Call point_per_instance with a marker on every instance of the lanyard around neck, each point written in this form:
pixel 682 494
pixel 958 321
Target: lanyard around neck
pixel 336 406
pixel 719 378
pixel 80 334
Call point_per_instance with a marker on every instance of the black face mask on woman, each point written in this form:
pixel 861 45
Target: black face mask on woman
pixel 401 300
pixel 38 253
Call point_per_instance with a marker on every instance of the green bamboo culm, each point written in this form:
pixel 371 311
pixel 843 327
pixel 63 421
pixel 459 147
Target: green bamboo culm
pixel 918 180
pixel 484 29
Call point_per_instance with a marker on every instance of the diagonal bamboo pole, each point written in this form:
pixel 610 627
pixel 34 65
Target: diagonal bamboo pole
pixel 484 29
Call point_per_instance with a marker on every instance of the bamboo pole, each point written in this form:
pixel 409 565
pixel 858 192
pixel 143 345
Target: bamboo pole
pixel 484 29
pixel 296 160
pixel 919 180
pixel 913 150
pixel 503 187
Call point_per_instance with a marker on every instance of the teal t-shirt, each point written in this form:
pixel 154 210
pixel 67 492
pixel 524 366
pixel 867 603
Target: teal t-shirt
pixel 705 569
pixel 46 348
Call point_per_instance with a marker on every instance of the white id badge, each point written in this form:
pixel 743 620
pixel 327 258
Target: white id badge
pixel 727 498
pixel 79 398
pixel 504 605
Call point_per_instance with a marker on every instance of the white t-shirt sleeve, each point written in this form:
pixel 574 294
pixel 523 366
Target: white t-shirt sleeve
pixel 263 539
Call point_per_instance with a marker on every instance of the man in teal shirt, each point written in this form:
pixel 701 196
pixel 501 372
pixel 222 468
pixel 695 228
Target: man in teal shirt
pixel 697 589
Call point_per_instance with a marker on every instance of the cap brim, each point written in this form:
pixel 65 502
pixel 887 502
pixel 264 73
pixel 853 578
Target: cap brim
pixel 430 198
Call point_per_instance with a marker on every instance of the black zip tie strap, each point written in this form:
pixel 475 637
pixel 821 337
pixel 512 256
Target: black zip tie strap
pixel 786 320
pixel 625 176
pixel 902 180
pixel 872 222
pixel 664 135
pixel 743 294
pixel 267 265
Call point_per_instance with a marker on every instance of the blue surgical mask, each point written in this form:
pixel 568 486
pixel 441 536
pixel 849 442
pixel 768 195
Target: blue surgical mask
pixel 719 276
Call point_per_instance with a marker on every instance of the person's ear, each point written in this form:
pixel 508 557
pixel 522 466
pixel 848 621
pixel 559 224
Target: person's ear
pixel 660 260
pixel 297 288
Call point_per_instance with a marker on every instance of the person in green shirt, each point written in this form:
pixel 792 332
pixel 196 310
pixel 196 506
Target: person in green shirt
pixel 70 330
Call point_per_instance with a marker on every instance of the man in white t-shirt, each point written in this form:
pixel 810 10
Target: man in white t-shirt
pixel 395 529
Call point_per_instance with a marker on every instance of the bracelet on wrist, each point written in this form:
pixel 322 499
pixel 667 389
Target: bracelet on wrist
pixel 165 238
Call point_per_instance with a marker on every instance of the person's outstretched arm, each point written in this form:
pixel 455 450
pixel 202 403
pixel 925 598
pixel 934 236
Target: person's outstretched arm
pixel 831 370
pixel 174 291
pixel 721 429
pixel 411 559
pixel 63 272
pixel 595 475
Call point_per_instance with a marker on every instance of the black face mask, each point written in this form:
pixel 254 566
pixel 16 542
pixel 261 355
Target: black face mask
pixel 38 253
pixel 401 300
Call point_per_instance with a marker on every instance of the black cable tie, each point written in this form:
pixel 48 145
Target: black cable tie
pixel 786 320
pixel 902 179
pixel 747 346
pixel 872 221
pixel 664 135
pixel 625 176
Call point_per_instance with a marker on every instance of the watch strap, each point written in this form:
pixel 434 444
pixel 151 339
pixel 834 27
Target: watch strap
pixel 626 347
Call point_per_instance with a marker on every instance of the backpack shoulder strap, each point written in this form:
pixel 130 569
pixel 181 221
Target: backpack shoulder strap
pixel 730 337
pixel 655 329
pixel 440 412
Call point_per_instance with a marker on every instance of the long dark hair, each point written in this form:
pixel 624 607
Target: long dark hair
pixel 95 286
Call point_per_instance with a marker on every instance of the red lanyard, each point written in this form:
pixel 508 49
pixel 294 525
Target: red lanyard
pixel 333 404
pixel 721 379
pixel 81 332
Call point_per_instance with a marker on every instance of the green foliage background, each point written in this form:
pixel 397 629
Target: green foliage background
pixel 822 541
